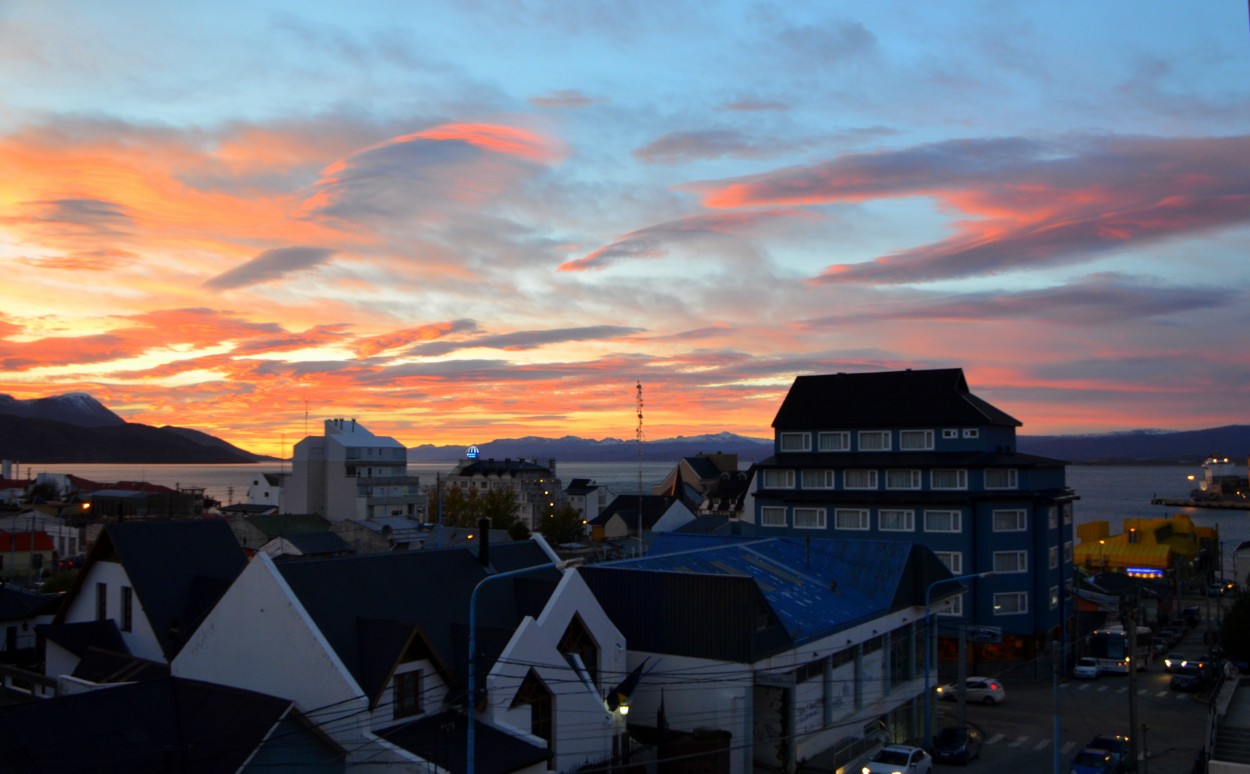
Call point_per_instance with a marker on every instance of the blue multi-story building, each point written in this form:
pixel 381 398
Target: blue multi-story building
pixel 915 456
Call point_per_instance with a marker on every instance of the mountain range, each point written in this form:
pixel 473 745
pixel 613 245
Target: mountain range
pixel 75 427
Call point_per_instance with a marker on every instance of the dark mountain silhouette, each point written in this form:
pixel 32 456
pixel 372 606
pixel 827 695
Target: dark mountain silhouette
pixel 1141 446
pixel 72 408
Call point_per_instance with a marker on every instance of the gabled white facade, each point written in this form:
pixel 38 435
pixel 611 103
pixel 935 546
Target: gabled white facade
pixel 104 590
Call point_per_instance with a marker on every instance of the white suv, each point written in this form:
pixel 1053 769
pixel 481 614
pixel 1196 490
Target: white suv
pixel 899 759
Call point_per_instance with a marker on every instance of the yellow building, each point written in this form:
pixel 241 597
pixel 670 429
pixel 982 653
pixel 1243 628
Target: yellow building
pixel 1157 543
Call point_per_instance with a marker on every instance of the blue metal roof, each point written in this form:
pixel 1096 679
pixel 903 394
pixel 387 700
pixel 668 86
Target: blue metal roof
pixel 814 587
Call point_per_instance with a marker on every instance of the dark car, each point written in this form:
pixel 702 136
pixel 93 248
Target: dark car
pixel 1118 745
pixel 1190 676
pixel 1089 761
pixel 957 745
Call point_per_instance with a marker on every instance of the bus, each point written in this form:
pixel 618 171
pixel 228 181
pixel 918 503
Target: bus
pixel 1110 647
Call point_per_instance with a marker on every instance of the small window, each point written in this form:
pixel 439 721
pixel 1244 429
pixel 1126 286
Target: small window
pixel 772 516
pixel 778 479
pixel 817 479
pixel 1067 552
pixel 860 479
pixel 954 561
pixel 1054 557
pixel 809 518
pixel 902 479
pixel 942 521
pixel 950 433
pixel 834 442
pixel 1067 513
pixel 949 478
pixel 128 601
pixel 1054 597
pixel 897 521
pixel 1001 478
pixel 874 440
pixel 1011 603
pixel 1052 516
pixel 406 694
pixel 796 442
pixel 1010 561
pixel 953 606
pixel 1010 521
pixel 972 432
pixel 915 440
pixel 101 601
pixel 851 518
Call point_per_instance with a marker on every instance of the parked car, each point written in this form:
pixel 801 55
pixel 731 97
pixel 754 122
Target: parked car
pixel 899 759
pixel 1119 747
pixel 1220 588
pixel 1087 668
pixel 1190 676
pixel 1090 761
pixel 957 745
pixel 1172 662
pixel 977 690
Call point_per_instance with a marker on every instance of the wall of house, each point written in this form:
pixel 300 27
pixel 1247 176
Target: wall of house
pixel 433 694
pixel 674 517
pixel 141 640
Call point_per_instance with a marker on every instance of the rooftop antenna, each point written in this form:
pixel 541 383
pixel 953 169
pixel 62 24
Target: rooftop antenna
pixel 638 437
pixel 305 417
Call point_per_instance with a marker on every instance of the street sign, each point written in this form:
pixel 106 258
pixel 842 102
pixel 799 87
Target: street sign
pixel 992 634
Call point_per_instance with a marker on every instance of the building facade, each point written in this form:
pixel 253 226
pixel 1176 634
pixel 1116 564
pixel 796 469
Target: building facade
pixel 534 485
pixel 915 456
pixel 350 473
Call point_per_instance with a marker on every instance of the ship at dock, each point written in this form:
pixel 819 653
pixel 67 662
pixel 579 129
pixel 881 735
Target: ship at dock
pixel 1225 484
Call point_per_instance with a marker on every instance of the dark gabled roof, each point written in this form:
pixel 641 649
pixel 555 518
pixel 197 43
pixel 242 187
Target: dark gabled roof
pixel 426 591
pixel 703 525
pixel 313 543
pixel 80 637
pixel 580 486
pixel 178 569
pixel 921 399
pixel 509 467
pixel 16 604
pixel 166 724
pixel 442 739
pixel 106 666
pixel 280 524
pixel 707 595
pixel 626 507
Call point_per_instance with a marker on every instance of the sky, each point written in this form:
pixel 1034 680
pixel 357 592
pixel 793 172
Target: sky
pixel 469 220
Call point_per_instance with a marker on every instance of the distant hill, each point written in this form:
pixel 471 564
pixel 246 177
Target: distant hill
pixel 1142 446
pixel 607 450
pixel 76 428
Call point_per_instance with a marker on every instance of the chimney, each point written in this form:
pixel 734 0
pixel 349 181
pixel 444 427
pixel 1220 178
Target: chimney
pixel 483 541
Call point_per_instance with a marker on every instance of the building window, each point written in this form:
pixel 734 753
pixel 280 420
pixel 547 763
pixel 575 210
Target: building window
pixel 817 479
pixel 954 561
pixel 1054 597
pixel 1011 603
pixel 578 644
pixel 972 432
pixel 874 440
pixel 1001 478
pixel 942 521
pixel 897 521
pixel 952 606
pixel 1067 551
pixel 834 442
pixel 796 442
pixel 101 601
pixel 128 601
pixel 772 516
pixel 1011 561
pixel 850 518
pixel 1052 516
pixel 950 478
pixel 902 479
pixel 1067 513
pixel 534 692
pixel 406 694
pixel 915 440
pixel 778 479
pixel 950 433
pixel 809 518
pixel 1010 521
pixel 860 479
pixel 1054 557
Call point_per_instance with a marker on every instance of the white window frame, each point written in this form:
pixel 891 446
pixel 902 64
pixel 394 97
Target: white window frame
pixel 834 441
pixel 774 511
pixel 1021 603
pixel 925 438
pixel 816 479
pixel 954 561
pixel 1052 516
pixel 1012 562
pixel 912 476
pixel 1067 551
pixel 1054 556
pixel 972 432
pixel 1054 597
pixel 908 518
pixel 950 433
pixel 1021 519
pixel 953 607
pixel 961 479
pixel 794 442
pixel 810 518
pixel 786 476
pixel 868 472
pixel 1012 476
pixel 860 515
pixel 880 436
pixel 956 517
pixel 1067 513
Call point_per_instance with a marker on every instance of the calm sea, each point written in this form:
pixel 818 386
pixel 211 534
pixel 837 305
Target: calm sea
pixel 1108 492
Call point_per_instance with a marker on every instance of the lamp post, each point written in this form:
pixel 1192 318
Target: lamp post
pixel 928 645
pixel 470 758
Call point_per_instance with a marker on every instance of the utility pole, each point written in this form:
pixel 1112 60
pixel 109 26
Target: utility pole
pixel 638 436
pixel 1133 666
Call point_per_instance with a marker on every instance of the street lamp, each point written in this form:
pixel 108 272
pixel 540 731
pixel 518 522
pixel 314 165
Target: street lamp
pixel 928 645
pixel 470 762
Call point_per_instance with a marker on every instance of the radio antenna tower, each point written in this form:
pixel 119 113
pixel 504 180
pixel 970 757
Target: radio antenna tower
pixel 638 437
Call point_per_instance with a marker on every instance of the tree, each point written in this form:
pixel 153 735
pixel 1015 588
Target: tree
pixel 500 506
pixel 562 524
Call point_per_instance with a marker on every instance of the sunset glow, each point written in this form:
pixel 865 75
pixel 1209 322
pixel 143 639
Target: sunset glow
pixel 475 223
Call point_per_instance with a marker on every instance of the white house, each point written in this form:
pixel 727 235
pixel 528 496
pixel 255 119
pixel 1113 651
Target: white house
pixel 374 648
